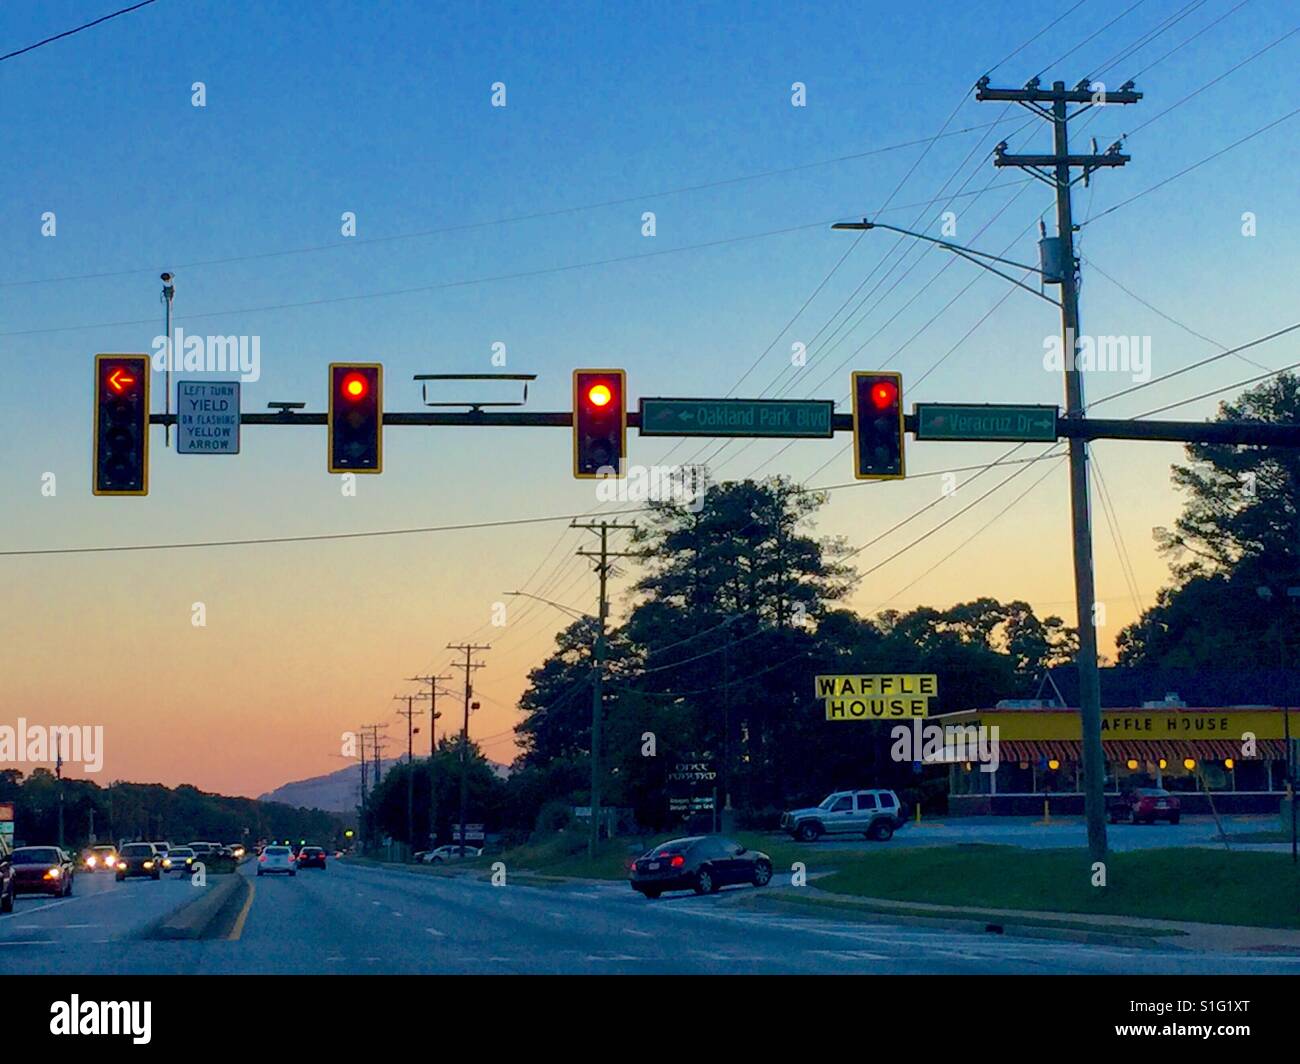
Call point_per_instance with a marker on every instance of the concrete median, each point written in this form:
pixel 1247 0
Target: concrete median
pixel 196 918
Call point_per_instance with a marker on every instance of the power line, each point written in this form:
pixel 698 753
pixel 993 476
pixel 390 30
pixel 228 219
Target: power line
pixel 556 212
pixel 1194 166
pixel 443 285
pixel 78 29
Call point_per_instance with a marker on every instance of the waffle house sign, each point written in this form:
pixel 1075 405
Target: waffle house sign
pixel 877 696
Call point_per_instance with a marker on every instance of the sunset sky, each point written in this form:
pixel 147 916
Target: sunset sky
pixel 522 225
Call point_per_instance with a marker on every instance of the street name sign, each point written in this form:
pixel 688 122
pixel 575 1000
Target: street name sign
pixel 207 417
pixel 772 418
pixel 1012 423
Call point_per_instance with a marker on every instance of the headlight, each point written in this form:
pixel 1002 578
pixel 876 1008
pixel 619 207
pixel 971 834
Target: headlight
pixel 167 862
pixel 148 864
pixel 54 873
pixel 90 862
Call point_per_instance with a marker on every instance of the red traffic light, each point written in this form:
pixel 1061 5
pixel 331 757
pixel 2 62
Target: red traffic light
pixel 355 386
pixel 883 394
pixel 599 395
pixel 119 380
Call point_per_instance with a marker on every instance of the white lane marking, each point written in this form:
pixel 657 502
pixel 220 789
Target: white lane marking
pixel 435 932
pixel 51 905
pixel 375 903
pixel 28 942
pixel 634 931
pixel 395 913
pixel 331 960
pixel 557 916
pixel 850 954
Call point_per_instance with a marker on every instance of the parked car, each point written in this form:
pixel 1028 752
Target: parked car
pixel 876 814
pixel 101 858
pixel 42 870
pixel 8 884
pixel 276 859
pixel 138 859
pixel 311 857
pixel 448 853
pixel 702 863
pixel 1145 805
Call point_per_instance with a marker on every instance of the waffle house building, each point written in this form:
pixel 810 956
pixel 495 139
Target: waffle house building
pixel 1238 753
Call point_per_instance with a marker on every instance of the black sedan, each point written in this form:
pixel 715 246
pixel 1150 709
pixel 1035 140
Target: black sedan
pixel 702 863
pixel 311 857
pixel 42 870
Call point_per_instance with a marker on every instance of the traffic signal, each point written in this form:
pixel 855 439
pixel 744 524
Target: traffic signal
pixel 121 462
pixel 878 426
pixel 599 422
pixel 356 417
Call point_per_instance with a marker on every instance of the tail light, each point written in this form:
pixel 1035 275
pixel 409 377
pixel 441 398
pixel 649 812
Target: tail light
pixel 677 861
pixel 262 859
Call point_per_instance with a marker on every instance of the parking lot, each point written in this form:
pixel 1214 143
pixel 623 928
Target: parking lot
pixel 1033 833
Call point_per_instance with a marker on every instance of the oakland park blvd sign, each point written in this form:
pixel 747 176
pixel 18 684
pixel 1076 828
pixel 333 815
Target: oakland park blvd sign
pixel 986 421
pixel 207 417
pixel 877 696
pixel 794 418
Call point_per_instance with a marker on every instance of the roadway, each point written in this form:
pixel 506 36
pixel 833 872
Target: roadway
pixel 364 919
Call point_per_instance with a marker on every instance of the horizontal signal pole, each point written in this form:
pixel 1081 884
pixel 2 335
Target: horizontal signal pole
pixel 1250 433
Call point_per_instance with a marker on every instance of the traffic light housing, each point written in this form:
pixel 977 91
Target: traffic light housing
pixel 356 417
pixel 878 426
pixel 121 460
pixel 599 422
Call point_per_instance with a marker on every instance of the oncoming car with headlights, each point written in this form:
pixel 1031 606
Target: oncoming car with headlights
pixel 102 858
pixel 138 859
pixel 179 859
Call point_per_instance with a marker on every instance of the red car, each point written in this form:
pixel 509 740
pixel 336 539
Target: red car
pixel 1145 805
pixel 42 870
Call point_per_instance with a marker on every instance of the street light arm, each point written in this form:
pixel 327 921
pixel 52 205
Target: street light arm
pixel 577 614
pixel 970 254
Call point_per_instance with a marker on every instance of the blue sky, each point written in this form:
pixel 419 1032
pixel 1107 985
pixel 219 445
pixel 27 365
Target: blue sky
pixel 385 111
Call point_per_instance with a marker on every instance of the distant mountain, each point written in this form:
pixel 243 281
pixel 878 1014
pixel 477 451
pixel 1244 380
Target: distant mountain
pixel 337 792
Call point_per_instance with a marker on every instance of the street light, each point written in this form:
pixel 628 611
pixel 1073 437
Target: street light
pixel 576 614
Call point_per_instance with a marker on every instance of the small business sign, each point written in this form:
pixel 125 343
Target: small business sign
pixel 207 417
pixel 877 696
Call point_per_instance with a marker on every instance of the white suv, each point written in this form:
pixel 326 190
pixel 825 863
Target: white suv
pixel 875 814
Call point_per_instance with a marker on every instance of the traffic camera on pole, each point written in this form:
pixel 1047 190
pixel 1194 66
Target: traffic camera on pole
pixel 356 417
pixel 599 422
pixel 878 426
pixel 121 460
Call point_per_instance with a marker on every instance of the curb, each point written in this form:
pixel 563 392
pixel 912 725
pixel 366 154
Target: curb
pixel 194 918
pixel 977 925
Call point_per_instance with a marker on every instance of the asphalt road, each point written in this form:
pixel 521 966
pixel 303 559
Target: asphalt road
pixel 359 919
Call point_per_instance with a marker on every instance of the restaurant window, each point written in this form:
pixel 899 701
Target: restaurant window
pixel 1250 775
pixel 1015 777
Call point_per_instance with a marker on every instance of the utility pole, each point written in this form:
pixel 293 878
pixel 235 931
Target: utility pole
pixel 378 766
pixel 1061 266
pixel 410 713
pixel 361 737
pixel 432 681
pixel 603 568
pixel 469 649
pixel 58 775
